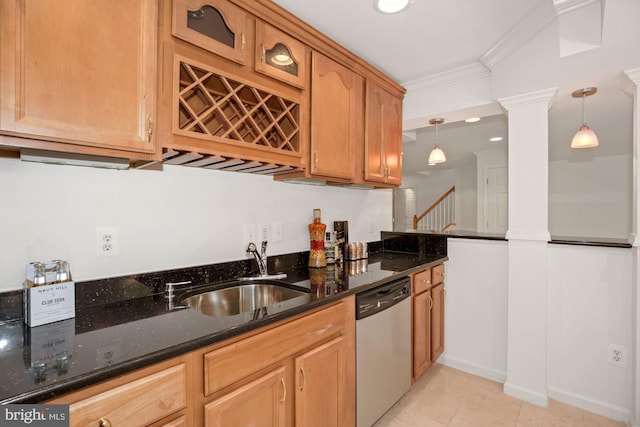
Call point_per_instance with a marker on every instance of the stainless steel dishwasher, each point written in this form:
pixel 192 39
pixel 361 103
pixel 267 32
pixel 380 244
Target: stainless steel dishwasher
pixel 383 348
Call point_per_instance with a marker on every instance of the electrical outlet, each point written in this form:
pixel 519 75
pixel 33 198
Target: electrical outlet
pixel 617 355
pixel 265 231
pixel 277 232
pixel 107 241
pixel 249 233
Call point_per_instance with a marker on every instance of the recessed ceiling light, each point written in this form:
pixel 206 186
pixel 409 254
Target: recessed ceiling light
pixel 495 139
pixel 472 119
pixel 390 6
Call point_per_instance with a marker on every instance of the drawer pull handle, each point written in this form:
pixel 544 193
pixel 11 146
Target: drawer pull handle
pixel 315 159
pixel 302 379
pixel 263 53
pixel 104 422
pixel 430 302
pixel 284 391
pixel 243 43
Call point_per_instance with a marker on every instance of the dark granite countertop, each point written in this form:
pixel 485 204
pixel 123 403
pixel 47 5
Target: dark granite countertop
pixel 123 324
pixel 560 240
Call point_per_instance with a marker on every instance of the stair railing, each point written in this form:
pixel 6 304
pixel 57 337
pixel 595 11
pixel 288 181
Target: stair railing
pixel 440 216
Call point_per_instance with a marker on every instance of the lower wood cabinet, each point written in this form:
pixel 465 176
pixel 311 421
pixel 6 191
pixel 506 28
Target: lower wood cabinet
pixel 321 384
pixel 427 318
pixel 300 371
pixel 158 395
pixel 262 402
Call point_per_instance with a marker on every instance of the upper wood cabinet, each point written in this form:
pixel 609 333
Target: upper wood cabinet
pixel 218 26
pixel 279 55
pixel 80 75
pixel 336 118
pixel 383 136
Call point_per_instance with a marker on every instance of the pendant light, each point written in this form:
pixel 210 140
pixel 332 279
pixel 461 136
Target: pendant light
pixel 585 137
pixel 390 6
pixel 437 155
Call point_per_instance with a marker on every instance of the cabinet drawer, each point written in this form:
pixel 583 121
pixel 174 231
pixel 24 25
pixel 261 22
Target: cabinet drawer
pixel 421 281
pixel 226 365
pixel 140 402
pixel 437 274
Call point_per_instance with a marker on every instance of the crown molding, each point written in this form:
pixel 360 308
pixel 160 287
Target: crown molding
pixel 547 96
pixel 470 72
pixel 630 80
pixel 529 26
pixel 565 6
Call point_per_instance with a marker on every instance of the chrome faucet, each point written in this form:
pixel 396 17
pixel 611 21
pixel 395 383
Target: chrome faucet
pixel 261 258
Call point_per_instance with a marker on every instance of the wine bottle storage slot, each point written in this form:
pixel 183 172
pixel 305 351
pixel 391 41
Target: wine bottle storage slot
pixel 214 106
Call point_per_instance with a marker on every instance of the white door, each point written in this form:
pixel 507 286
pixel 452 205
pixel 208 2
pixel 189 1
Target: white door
pixel 404 208
pixel 496 199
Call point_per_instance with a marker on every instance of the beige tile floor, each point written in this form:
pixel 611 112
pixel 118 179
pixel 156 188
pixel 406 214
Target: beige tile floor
pixel 448 397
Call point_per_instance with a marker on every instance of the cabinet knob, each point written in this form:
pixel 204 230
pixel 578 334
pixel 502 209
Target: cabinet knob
pixel 104 422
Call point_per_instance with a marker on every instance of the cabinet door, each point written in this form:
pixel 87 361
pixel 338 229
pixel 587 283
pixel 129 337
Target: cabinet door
pixel 422 305
pixel 260 403
pixel 437 322
pixel 320 386
pixel 383 139
pixel 79 72
pixel 280 55
pixel 214 25
pixel 336 118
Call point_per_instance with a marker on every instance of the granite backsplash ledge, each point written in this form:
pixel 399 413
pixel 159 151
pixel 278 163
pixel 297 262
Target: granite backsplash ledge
pixel 417 243
pixel 124 288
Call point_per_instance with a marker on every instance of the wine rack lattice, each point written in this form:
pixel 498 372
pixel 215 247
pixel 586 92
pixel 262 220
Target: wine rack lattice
pixel 215 105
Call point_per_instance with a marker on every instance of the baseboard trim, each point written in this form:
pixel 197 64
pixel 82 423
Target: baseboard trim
pixel 608 410
pixel 472 368
pixel 526 395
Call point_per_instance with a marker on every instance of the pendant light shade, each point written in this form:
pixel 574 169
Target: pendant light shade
pixel 437 155
pixel 390 6
pixel 585 137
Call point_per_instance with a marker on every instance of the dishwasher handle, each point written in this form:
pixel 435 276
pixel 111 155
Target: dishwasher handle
pixel 382 297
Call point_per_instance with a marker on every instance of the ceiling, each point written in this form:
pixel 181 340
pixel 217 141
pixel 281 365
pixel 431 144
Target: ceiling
pixel 431 37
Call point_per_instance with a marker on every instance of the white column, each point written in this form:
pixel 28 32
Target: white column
pixel 631 84
pixel 528 235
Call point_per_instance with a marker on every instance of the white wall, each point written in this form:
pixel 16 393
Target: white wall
pixel 466 196
pixel 177 217
pixel 591 198
pixel 476 307
pixel 589 307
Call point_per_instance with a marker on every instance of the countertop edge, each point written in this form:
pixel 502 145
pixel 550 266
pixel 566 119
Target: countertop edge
pixel 94 377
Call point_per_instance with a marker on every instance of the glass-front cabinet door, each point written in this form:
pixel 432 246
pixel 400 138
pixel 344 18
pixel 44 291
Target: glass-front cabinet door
pixel 218 26
pixel 279 55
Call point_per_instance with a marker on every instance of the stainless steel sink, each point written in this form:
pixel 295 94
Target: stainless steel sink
pixel 240 299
